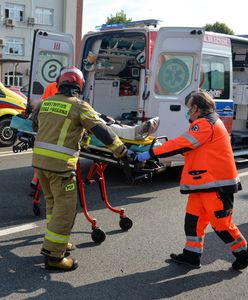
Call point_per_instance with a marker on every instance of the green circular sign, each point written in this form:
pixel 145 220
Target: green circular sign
pixel 173 75
pixel 50 70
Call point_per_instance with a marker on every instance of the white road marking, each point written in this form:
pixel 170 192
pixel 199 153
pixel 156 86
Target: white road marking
pixel 243 174
pixel 17 229
pixel 11 153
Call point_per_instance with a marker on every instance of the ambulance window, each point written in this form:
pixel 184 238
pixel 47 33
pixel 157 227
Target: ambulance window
pixel 174 73
pixel 215 76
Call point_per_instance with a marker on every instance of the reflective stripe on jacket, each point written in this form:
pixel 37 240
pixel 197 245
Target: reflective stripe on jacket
pixel 62 121
pixel 209 162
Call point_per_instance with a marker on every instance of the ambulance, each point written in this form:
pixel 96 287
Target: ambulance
pixel 135 71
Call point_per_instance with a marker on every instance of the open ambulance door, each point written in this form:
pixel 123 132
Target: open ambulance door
pixel 50 52
pixel 174 73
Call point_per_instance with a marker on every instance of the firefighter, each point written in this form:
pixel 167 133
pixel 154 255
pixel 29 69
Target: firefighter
pixel 62 120
pixel 50 90
pixel 209 177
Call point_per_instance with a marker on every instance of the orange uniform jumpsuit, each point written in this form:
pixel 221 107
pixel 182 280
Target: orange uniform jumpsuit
pixel 210 178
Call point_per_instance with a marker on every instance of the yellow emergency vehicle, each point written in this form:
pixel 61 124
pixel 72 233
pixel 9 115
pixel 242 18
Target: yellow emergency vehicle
pixel 11 104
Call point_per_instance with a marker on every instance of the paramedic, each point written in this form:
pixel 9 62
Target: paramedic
pixel 209 177
pixel 62 120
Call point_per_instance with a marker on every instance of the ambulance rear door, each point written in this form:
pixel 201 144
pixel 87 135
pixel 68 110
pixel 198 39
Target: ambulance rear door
pixel 50 52
pixel 174 73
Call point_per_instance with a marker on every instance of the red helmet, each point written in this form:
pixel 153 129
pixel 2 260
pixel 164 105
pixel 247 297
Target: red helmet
pixel 71 76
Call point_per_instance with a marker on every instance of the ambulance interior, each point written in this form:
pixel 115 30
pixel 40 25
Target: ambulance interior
pixel 115 74
pixel 240 93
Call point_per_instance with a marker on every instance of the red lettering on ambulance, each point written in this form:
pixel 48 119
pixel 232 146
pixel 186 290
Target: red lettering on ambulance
pixel 56 46
pixel 219 40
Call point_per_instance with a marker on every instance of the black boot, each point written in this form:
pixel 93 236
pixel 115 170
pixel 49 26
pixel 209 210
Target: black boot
pixel 241 261
pixel 188 258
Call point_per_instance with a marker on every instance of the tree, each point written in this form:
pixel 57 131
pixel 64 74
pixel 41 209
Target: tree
pixel 120 17
pixel 219 27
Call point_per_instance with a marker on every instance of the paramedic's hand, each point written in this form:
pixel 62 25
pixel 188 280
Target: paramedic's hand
pixel 143 156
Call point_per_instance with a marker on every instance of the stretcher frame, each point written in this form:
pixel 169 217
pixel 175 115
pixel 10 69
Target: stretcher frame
pixel 95 174
pixel 101 158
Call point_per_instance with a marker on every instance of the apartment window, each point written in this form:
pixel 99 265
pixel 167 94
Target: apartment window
pixel 44 16
pixel 13 79
pixel 14 11
pixel 14 46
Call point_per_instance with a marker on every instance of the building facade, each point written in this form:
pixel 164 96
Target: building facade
pixel 19 19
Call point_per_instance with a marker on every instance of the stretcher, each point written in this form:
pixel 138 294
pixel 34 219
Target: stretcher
pixel 101 158
pixel 92 148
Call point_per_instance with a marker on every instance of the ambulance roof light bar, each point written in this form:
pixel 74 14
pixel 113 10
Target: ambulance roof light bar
pixel 141 23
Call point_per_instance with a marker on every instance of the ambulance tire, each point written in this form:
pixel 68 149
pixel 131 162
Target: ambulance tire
pixel 125 223
pixel 7 134
pixel 98 235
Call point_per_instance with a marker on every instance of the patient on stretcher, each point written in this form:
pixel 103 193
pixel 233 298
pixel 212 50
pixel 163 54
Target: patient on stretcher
pixel 131 133
pixel 136 132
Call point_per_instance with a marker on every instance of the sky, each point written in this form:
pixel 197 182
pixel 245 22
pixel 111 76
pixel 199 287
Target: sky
pixel 192 13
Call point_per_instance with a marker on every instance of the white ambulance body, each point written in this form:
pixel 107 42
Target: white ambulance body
pixel 137 73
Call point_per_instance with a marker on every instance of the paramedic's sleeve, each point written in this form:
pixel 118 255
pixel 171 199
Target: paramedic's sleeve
pixel 199 133
pixel 50 90
pixel 90 121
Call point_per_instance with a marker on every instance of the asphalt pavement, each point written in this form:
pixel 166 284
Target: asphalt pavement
pixel 127 265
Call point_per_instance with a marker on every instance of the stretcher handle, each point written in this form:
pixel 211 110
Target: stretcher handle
pixel 156 139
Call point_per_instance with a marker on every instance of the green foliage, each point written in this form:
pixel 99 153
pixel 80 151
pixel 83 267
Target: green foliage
pixel 219 27
pixel 120 17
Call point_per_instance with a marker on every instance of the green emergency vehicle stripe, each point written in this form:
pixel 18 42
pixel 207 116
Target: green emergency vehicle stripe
pixel 90 114
pixel 56 238
pixel 63 132
pixel 54 154
pixel 55 107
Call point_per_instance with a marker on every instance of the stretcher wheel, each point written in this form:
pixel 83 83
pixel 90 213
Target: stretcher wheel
pixel 98 236
pixel 15 149
pixel 125 223
pixel 36 210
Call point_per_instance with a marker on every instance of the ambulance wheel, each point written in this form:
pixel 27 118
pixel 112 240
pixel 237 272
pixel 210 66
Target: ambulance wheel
pixel 7 134
pixel 98 236
pixel 125 223
pixel 36 210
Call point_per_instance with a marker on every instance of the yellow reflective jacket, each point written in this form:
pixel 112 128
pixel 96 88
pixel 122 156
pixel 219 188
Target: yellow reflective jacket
pixel 62 121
